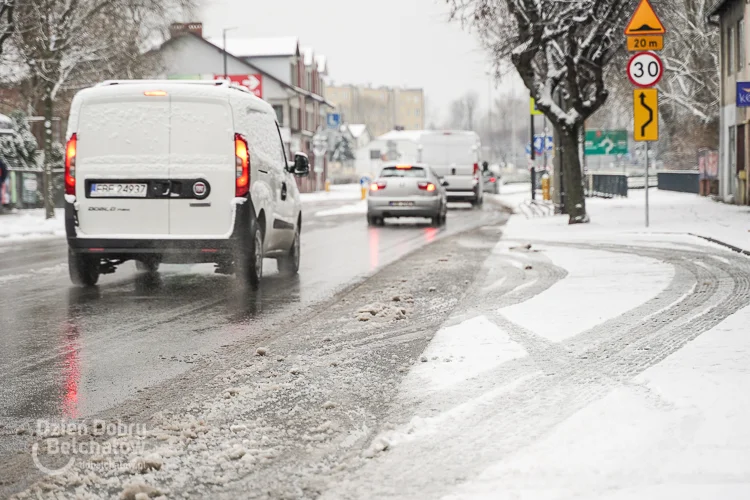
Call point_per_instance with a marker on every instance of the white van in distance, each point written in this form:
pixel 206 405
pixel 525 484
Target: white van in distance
pixel 454 156
pixel 178 172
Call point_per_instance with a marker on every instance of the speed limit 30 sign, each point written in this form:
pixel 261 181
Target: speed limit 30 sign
pixel 645 69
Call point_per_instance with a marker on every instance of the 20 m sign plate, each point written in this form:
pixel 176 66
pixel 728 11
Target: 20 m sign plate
pixel 645 69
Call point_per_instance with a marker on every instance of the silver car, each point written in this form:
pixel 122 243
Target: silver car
pixel 412 190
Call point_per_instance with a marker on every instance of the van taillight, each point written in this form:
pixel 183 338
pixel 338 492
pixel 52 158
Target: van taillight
pixel 242 166
pixel 70 165
pixel 476 168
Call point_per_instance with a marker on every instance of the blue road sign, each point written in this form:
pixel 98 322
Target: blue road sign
pixel 365 179
pixel 334 120
pixel 538 140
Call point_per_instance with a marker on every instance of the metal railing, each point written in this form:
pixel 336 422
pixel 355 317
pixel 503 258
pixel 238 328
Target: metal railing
pixel 606 185
pixel 27 185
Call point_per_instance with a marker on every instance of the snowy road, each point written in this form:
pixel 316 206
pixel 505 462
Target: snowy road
pixel 73 353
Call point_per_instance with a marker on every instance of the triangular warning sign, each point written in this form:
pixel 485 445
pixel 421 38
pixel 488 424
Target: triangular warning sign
pixel 644 21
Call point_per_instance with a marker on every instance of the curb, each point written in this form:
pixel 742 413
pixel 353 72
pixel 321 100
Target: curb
pixel 727 245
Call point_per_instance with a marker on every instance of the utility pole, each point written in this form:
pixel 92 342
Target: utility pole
pixel 489 117
pixel 224 47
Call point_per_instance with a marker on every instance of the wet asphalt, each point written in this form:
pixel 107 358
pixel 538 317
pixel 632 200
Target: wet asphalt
pixel 70 352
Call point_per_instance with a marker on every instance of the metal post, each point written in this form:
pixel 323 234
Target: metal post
pixel 646 183
pixel 224 36
pixel 533 158
pixel 489 119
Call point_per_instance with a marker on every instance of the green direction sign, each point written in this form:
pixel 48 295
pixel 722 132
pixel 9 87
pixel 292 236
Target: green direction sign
pixel 606 142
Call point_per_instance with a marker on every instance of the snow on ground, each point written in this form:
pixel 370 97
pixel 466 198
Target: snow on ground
pixel 28 224
pixel 619 219
pixel 678 431
pixel 599 286
pixel 338 192
pixel 460 352
pixel 355 208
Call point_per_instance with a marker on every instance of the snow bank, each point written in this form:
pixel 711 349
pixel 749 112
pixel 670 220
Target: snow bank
pixel 338 192
pixel 599 286
pixel 355 208
pixel 25 224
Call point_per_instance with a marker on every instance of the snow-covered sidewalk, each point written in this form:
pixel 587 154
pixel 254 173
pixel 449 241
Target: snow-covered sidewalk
pixel 618 218
pixel 30 224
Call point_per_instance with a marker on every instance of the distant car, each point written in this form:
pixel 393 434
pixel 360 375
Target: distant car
pixel 454 156
pixel 490 179
pixel 411 190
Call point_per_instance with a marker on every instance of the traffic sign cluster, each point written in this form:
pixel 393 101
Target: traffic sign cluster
pixel 645 34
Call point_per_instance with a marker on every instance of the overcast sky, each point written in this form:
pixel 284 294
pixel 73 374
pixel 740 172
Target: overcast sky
pixel 382 42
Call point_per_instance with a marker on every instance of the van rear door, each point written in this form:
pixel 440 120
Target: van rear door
pixel 452 155
pixel 122 165
pixel 202 166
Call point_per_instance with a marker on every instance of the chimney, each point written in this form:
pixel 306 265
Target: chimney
pixel 177 29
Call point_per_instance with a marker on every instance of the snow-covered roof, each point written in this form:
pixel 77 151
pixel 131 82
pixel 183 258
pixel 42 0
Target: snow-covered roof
pixel 322 64
pixel 357 129
pixel 308 55
pixel 259 47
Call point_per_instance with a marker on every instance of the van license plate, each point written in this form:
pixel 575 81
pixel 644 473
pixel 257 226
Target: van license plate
pixel 118 190
pixel 402 203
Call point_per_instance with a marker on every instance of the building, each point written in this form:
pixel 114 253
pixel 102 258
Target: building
pixel 275 69
pixel 382 109
pixel 734 164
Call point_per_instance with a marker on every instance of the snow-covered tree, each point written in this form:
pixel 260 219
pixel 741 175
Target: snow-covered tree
pixel 6 21
pixel 342 151
pixel 64 44
pixel 461 112
pixel 560 50
pixel 20 149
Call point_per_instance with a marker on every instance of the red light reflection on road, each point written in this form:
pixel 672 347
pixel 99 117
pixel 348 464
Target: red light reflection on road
pixel 430 233
pixel 71 370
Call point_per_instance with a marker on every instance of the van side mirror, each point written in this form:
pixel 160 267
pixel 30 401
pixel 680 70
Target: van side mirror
pixel 444 183
pixel 301 166
pixel 485 165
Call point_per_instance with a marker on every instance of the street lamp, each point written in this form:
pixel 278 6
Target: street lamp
pixel 224 38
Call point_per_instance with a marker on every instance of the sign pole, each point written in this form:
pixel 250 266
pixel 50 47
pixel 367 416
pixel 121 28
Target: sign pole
pixel 533 158
pixel 647 183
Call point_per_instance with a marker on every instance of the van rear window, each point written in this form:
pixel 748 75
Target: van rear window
pixel 403 172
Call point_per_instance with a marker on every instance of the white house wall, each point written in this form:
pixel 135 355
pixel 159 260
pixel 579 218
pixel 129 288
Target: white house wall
pixel 280 67
pixel 188 55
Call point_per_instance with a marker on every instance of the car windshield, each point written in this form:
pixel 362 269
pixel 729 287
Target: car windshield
pixel 403 172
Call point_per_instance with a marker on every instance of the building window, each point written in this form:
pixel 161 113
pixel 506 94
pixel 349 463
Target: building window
pixel 740 157
pixel 416 111
pixel 730 51
pixel 279 110
pixel 740 45
pixel 294 113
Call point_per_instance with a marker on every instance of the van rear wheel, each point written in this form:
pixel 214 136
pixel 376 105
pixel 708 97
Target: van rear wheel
pixel 289 264
pixel 83 269
pixel 249 265
pixel 148 265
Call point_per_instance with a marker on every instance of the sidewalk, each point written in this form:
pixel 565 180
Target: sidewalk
pixel 30 224
pixel 621 218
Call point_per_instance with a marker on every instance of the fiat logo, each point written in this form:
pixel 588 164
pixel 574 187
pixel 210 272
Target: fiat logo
pixel 200 189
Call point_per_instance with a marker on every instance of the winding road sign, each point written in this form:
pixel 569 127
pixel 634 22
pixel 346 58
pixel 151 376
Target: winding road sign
pixel 646 115
pixel 645 69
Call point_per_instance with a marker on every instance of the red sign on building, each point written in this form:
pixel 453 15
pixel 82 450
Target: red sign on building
pixel 253 82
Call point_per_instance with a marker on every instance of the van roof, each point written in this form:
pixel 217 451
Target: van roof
pixel 195 88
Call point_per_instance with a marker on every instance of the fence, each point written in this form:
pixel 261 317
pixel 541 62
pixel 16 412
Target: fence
pixel 606 185
pixel 683 181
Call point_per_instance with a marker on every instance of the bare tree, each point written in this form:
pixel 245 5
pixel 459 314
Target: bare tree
pixel 64 43
pixel 560 50
pixel 6 21
pixel 461 112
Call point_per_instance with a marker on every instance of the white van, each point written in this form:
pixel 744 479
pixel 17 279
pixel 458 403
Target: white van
pixel 178 172
pixel 454 156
